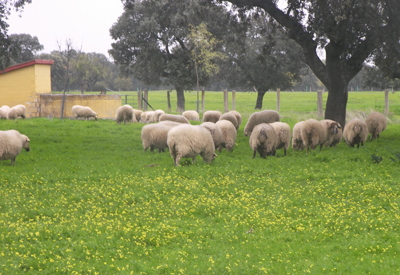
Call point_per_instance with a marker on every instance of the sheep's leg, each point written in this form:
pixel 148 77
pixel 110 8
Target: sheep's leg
pixel 12 161
pixel 254 153
pixel 320 147
pixel 177 160
pixel 194 159
pixel 358 145
pixel 284 150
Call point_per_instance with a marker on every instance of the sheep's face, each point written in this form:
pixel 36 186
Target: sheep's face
pixel 334 127
pixel 26 143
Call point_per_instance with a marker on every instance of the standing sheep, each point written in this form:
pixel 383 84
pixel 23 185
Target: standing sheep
pixel 149 117
pixel 297 141
pixel 283 135
pixel 228 135
pixel 176 118
pixel 83 111
pixel 11 144
pixel 188 141
pixel 5 108
pixel 17 111
pixel 191 115
pixel 125 113
pixel 263 140
pixel 334 133
pixel 211 116
pixel 215 132
pixel 376 123
pixel 355 132
pixel 155 136
pixel 138 114
pixel 157 114
pixel 312 134
pixel 3 114
pixel 238 118
pixel 266 116
pixel 230 117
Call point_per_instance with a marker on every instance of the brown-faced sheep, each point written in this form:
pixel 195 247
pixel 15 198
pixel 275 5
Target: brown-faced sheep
pixel 17 111
pixel 230 117
pixel 297 141
pixel 263 140
pixel 11 144
pixel 83 111
pixel 215 132
pixel 334 136
pixel 355 132
pixel 376 123
pixel 283 135
pixel 176 118
pixel 211 116
pixel 125 114
pixel 228 135
pixel 238 118
pixel 266 116
pixel 188 141
pixel 155 136
pixel 191 115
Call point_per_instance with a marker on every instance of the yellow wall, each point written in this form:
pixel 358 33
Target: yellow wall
pixel 104 105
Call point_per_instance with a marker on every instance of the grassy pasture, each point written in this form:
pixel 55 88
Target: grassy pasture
pixel 87 200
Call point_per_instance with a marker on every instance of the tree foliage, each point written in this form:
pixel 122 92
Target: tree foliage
pixel 28 47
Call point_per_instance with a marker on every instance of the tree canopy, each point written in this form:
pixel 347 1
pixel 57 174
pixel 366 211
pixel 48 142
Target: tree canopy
pixel 28 47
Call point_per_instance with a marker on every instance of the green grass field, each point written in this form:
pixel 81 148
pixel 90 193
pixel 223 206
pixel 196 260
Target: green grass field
pixel 87 200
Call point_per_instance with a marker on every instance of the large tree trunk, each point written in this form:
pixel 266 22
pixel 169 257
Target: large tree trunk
pixel 336 104
pixel 180 97
pixel 260 97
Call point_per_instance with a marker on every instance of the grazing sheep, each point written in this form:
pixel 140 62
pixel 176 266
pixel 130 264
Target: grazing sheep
pixel 83 111
pixel 215 132
pixel 5 108
pixel 238 118
pixel 376 123
pixel 155 136
pixel 297 141
pixel 188 141
pixel 266 116
pixel 11 144
pixel 17 111
pixel 125 113
pixel 170 123
pixel 157 114
pixel 263 139
pixel 313 134
pixel 228 135
pixel 334 132
pixel 3 114
pixel 355 132
pixel 230 117
pixel 138 114
pixel 211 116
pixel 176 118
pixel 191 115
pixel 149 117
pixel 283 135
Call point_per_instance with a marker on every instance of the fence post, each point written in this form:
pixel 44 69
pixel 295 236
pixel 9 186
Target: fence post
pixel 203 95
pixel 319 102
pixel 126 99
pixel 226 106
pixel 169 101
pixel 146 98
pixel 386 102
pixel 278 100
pixel 139 99
pixel 233 100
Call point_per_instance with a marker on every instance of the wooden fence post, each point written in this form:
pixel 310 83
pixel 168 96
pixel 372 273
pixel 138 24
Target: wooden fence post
pixel 278 100
pixel 146 95
pixel 319 102
pixel 139 99
pixel 233 100
pixel 386 102
pixel 226 106
pixel 169 101
pixel 203 95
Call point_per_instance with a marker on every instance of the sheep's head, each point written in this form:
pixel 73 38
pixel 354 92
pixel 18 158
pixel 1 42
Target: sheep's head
pixel 333 127
pixel 25 144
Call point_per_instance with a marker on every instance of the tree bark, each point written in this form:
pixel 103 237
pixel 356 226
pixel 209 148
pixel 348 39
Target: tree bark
pixel 259 102
pixel 180 97
pixel 336 105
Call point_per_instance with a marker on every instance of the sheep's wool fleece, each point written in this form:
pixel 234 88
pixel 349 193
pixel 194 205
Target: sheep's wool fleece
pixel 11 144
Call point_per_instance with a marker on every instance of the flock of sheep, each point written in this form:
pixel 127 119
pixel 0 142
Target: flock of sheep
pixel 265 131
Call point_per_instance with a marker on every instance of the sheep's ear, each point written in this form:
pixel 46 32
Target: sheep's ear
pixel 27 139
pixel 215 155
pixel 339 126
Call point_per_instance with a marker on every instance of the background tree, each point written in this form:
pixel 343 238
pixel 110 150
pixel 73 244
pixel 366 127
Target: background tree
pixel 58 71
pixel 348 31
pixel 28 47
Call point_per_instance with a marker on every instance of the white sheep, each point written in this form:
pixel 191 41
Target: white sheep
pixel 148 117
pixel 376 123
pixel 263 140
pixel 238 118
pixel 176 118
pixel 3 114
pixel 5 108
pixel 188 141
pixel 155 136
pixel 283 135
pixel 229 134
pixel 215 132
pixel 83 111
pixel 334 132
pixel 211 116
pixel 266 116
pixel 138 114
pixel 297 141
pixel 230 117
pixel 11 144
pixel 17 111
pixel 125 114
pixel 355 132
pixel 157 114
pixel 191 115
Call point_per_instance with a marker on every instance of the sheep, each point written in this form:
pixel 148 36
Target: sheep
pixel 376 123
pixel 157 114
pixel 263 139
pixel 138 114
pixel 125 113
pixel 149 117
pixel 176 118
pixel 238 118
pixel 170 123
pixel 266 116
pixel 11 144
pixel 230 117
pixel 17 111
pixel 355 132
pixel 191 115
pixel 5 108
pixel 83 111
pixel 3 114
pixel 211 116
pixel 215 132
pixel 313 134
pixel 228 135
pixel 188 141
pixel 297 142
pixel 335 132
pixel 155 136
pixel 143 117
pixel 283 135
